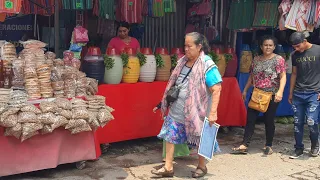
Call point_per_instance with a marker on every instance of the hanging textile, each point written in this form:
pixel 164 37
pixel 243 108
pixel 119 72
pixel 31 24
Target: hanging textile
pixel 129 11
pixel 106 9
pixel 77 4
pixel 311 13
pixel 317 13
pixel 266 14
pixel 201 9
pixel 106 28
pixel 10 6
pixel 297 17
pixel 150 6
pixel 144 4
pixel 158 8
pixel 284 9
pixel 95 10
pixel 31 8
pixel 241 15
pixel 169 6
pixel 3 17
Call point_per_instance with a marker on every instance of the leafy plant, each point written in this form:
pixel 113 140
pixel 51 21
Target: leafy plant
pixel 125 59
pixel 214 57
pixel 142 58
pixel 228 57
pixel 174 59
pixel 108 62
pixel 288 56
pixel 159 61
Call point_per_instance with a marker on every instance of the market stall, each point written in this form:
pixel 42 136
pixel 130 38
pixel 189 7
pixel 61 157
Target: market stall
pixel 134 104
pixel 48 110
pixel 46 151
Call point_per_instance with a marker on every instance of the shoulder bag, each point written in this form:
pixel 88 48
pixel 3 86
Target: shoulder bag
pixel 173 93
pixel 260 99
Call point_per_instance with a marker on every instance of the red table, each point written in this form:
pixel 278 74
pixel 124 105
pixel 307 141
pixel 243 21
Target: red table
pixel 45 151
pixel 133 104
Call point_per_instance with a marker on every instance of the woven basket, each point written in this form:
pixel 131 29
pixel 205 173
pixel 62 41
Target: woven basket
pixel 245 61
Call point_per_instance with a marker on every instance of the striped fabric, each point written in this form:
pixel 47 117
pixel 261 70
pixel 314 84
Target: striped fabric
pixel 241 14
pixel 297 18
pixel 77 4
pixel 30 8
pixel 284 9
pixel 129 11
pixel 266 14
pixel 96 7
pixel 106 9
pixel 169 6
pixel 10 6
pixel 144 4
pixel 158 8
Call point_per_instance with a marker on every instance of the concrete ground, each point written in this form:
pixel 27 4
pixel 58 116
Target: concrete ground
pixel 133 160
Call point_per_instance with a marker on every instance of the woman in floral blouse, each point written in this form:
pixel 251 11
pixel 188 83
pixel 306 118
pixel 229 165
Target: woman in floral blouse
pixel 268 73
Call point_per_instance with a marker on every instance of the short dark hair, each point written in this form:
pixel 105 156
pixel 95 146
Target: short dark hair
pixel 124 24
pixel 268 37
pixel 297 38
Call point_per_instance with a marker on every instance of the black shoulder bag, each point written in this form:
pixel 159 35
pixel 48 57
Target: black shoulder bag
pixel 173 93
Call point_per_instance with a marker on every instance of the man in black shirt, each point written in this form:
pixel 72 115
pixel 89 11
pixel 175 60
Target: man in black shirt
pixel 305 92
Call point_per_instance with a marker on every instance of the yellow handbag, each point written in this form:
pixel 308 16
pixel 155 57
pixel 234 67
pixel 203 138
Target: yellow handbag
pixel 260 100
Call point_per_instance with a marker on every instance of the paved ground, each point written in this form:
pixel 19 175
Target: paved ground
pixel 134 160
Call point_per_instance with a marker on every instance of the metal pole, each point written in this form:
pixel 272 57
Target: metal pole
pixel 56 27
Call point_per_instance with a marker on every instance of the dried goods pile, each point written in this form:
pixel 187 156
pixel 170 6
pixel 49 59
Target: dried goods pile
pixel 36 74
pixel 24 121
pixel 8 53
pixel 35 69
pixel 41 74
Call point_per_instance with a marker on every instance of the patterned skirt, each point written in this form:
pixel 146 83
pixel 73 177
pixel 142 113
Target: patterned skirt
pixel 173 132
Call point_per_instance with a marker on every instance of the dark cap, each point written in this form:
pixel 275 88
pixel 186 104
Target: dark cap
pixel 297 38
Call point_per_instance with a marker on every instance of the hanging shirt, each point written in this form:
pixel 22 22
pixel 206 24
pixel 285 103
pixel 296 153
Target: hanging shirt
pixel 129 11
pixel 119 45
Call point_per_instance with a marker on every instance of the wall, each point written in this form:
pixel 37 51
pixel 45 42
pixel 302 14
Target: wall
pixel 167 31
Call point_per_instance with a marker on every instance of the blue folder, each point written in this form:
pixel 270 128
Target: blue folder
pixel 208 140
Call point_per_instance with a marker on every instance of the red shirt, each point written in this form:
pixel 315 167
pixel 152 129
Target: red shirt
pixel 119 45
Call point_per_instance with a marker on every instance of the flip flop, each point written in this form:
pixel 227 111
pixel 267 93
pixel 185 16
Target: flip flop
pixel 268 151
pixel 165 173
pixel 199 175
pixel 239 151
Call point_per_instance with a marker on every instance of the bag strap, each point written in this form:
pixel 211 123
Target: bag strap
pixel 187 73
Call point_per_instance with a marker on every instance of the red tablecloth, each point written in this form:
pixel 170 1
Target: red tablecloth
pixel 133 104
pixel 45 151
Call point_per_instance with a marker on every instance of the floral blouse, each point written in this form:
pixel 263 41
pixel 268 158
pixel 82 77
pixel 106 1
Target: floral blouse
pixel 266 73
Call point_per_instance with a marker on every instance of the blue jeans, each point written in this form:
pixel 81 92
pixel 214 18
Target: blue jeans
pixel 306 108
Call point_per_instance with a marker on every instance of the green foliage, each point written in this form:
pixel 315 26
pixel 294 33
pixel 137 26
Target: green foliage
pixel 142 58
pixel 159 61
pixel 174 59
pixel 108 62
pixel 228 57
pixel 125 59
pixel 214 57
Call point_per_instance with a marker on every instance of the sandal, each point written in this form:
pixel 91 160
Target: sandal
pixel 238 150
pixel 199 175
pixel 162 173
pixel 268 150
